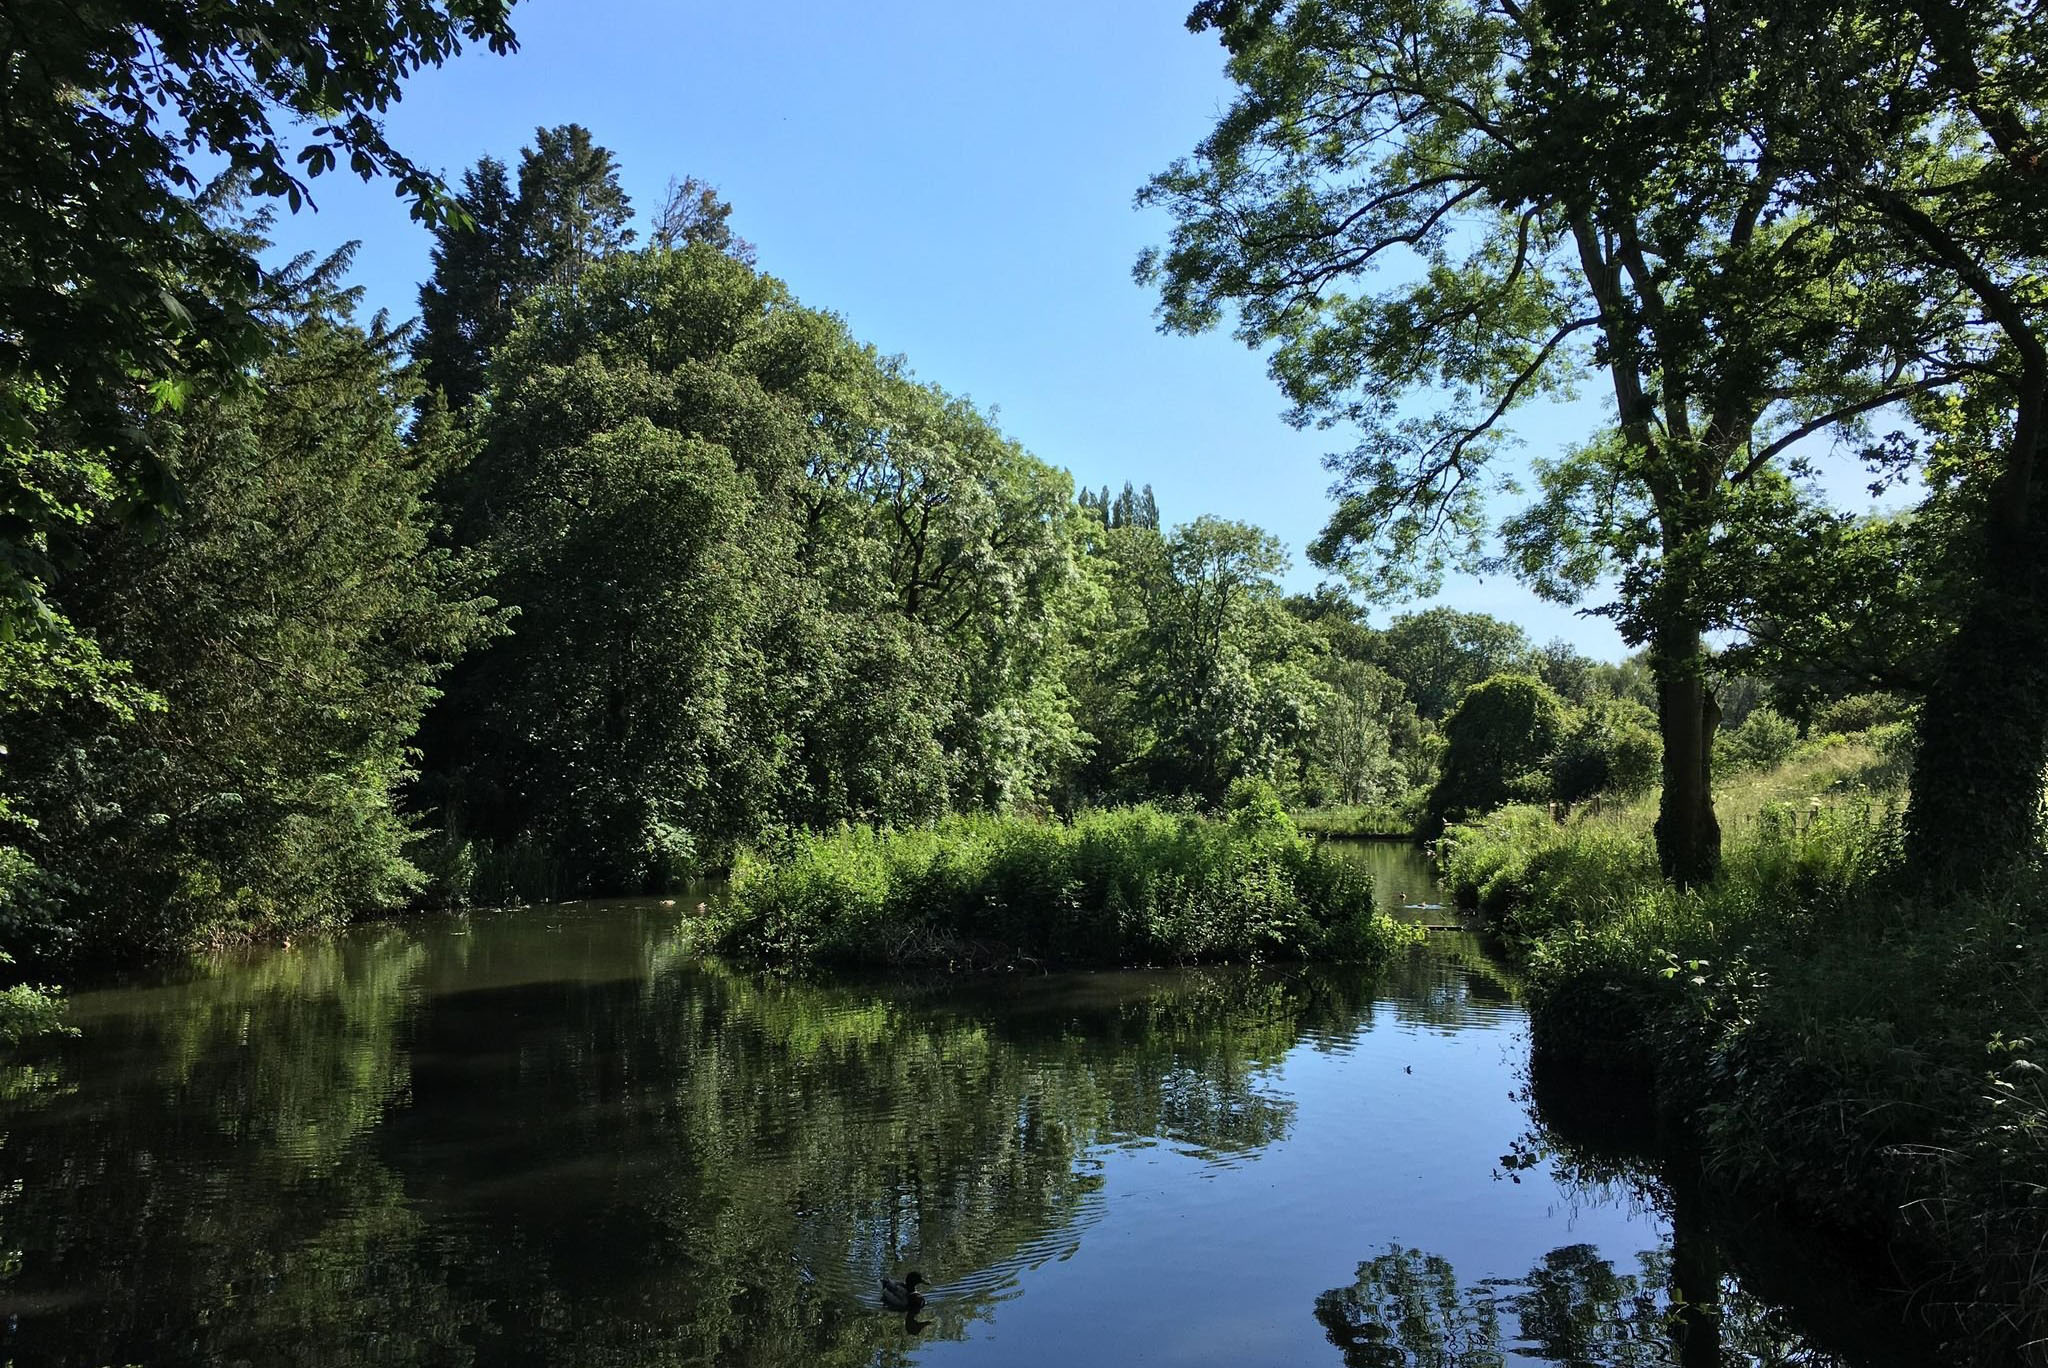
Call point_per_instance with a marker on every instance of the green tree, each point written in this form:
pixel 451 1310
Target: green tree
pixel 1609 746
pixel 480 273
pixel 571 205
pixel 1925 121
pixel 1569 673
pixel 762 578
pixel 1221 668
pixel 567 211
pixel 290 626
pixel 1498 746
pixel 1367 739
pixel 692 212
pixel 1441 652
pixel 1489 202
pixel 933 536
pixel 117 284
pixel 626 494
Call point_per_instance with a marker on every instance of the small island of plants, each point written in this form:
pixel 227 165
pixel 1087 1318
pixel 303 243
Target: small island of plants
pixel 1137 885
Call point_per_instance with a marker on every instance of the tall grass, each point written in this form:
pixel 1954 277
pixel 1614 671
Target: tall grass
pixel 1130 886
pixel 1874 1057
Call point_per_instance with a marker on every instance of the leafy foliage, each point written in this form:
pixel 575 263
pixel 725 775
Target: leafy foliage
pixel 1763 741
pixel 116 279
pixel 1135 886
pixel 289 629
pixel 844 598
pixel 1498 745
pixel 1487 204
pixel 1825 1033
pixel 1608 747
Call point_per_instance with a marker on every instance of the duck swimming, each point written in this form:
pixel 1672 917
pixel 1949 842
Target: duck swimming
pixel 903 1296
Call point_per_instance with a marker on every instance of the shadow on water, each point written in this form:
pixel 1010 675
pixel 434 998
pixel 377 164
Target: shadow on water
pixel 553 1138
pixel 1841 1295
pixel 1795 1300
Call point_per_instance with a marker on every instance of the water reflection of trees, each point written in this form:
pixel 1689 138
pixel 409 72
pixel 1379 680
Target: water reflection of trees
pixel 1729 1285
pixel 1573 1308
pixel 1452 986
pixel 336 1156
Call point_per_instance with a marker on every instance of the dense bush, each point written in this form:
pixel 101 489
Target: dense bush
pixel 1861 712
pixel 1363 821
pixel 1609 747
pixel 27 1011
pixel 1136 885
pixel 1764 739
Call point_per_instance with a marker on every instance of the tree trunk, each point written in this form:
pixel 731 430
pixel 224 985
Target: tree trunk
pixel 1983 736
pixel 1688 836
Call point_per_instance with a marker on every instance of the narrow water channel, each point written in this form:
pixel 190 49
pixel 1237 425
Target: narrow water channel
pixel 549 1137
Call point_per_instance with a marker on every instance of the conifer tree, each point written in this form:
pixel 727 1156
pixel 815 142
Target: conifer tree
pixel 571 204
pixel 481 270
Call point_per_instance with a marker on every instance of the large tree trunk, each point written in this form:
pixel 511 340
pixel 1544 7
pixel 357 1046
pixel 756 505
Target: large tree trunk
pixel 1977 777
pixel 1688 836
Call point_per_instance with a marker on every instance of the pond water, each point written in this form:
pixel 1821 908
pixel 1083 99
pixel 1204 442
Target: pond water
pixel 550 1137
pixel 1402 881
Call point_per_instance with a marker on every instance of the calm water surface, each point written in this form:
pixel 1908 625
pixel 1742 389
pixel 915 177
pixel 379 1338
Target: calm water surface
pixel 552 1138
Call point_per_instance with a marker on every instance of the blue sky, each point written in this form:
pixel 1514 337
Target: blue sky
pixel 954 180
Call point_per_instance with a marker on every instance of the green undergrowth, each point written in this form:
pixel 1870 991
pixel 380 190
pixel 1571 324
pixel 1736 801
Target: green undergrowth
pixel 1875 1058
pixel 1130 886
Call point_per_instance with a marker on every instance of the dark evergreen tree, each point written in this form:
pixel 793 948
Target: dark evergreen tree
pixel 116 291
pixel 290 626
pixel 571 204
pixel 482 268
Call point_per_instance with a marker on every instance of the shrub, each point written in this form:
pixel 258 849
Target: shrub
pixel 1610 747
pixel 1400 818
pixel 1872 1057
pixel 1135 885
pixel 1861 712
pixel 1763 741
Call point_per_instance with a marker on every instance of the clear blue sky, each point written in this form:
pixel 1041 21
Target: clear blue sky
pixel 954 180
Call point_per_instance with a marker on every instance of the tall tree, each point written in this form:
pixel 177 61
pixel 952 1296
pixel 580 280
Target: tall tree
pixel 692 212
pixel 1927 120
pixel 571 204
pixel 1501 738
pixel 762 578
pixel 1489 200
pixel 1441 652
pixel 1366 734
pixel 1222 668
pixel 482 269
pixel 290 625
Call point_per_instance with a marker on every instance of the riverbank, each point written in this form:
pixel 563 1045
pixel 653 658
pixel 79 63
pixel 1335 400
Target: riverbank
pixel 1867 1058
pixel 1130 886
